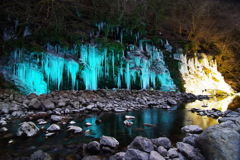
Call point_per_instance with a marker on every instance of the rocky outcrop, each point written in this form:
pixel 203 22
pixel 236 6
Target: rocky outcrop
pixel 222 141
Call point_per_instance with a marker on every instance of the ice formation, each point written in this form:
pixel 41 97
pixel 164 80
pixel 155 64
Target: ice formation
pixel 141 66
pixel 202 77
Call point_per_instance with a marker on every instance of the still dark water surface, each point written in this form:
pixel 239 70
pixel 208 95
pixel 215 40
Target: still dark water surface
pixel 166 123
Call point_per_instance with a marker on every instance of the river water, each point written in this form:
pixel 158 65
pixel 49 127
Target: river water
pixel 165 123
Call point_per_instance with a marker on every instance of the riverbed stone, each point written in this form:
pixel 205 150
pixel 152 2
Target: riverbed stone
pixel 27 128
pixel 54 127
pixel 35 104
pixel 171 101
pixel 118 156
pixel 155 156
pixel 56 118
pixel 193 129
pixel 93 147
pixel 40 155
pixel 172 153
pixel 191 139
pixel 142 143
pixel 48 104
pixel 109 141
pixel 189 151
pixel 161 150
pixel 162 141
pixel 3 129
pixel 75 129
pixel 219 142
pixel 136 154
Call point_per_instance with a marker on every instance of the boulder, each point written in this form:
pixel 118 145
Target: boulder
pixel 109 141
pixel 162 141
pixel 191 139
pixel 40 155
pixel 142 144
pixel 56 118
pixel 172 153
pixel 93 147
pixel 53 128
pixel 161 150
pixel 192 129
pixel 189 151
pixel 220 142
pixel 74 129
pixel 118 156
pixel 35 104
pixel 27 128
pixel 135 154
pixel 47 104
pixel 171 102
pixel 155 156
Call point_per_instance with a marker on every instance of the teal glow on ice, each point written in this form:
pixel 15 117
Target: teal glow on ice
pixel 140 67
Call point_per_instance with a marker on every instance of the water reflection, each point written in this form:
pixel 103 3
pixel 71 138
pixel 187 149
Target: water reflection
pixel 166 123
pixel 220 103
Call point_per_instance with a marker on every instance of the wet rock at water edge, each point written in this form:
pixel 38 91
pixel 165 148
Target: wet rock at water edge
pixel 171 102
pixel 3 129
pixel 27 128
pixel 56 118
pixel 135 154
pixel 193 129
pixel 129 117
pixel 40 155
pixel 109 141
pixel 93 147
pixel 142 143
pixel 53 128
pixel 49 134
pixel 74 129
pixel 149 125
pixel 127 123
pixel 87 124
pixel 72 122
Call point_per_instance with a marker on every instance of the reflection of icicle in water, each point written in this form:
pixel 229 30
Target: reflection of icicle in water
pixel 201 76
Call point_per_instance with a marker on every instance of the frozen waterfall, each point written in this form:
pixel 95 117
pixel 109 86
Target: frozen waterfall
pixel 202 77
pixel 142 67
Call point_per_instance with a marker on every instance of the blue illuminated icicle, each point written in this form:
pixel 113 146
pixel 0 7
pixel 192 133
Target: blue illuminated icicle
pixel 53 68
pixel 30 77
pixel 72 68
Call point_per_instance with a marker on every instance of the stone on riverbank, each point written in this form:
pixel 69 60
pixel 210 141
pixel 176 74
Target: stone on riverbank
pixel 109 141
pixel 142 144
pixel 27 128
